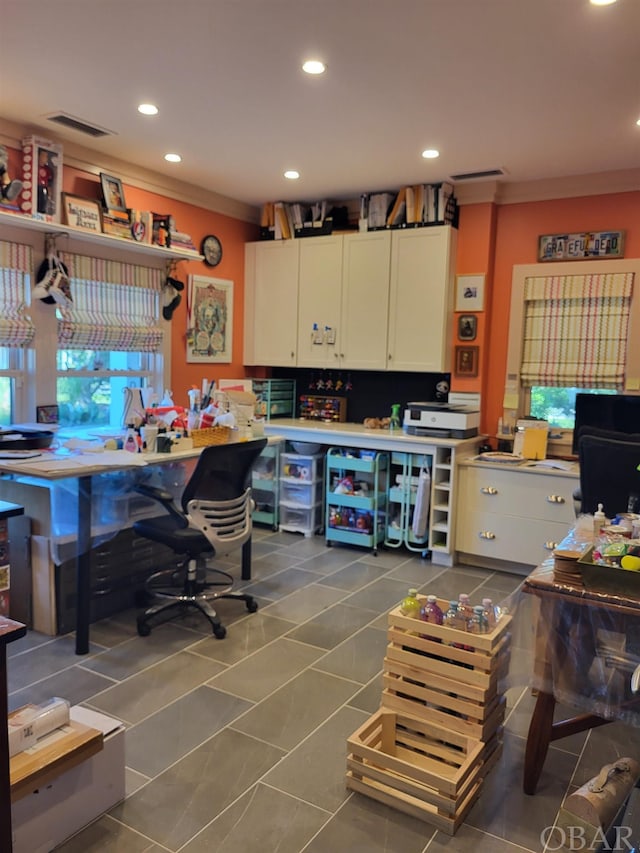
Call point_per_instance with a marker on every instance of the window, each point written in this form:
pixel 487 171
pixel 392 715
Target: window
pixel 573 327
pixel 108 339
pixel 16 326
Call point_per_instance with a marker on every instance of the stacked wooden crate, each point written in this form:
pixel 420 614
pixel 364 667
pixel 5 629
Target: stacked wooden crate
pixel 438 731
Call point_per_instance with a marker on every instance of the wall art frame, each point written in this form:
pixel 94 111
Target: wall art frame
pixel 209 319
pixel 113 193
pixel 470 292
pixel 83 213
pixel 467 327
pixel 467 360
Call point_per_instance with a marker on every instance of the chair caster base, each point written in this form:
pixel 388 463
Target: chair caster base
pixel 252 606
pixel 219 632
pixel 143 629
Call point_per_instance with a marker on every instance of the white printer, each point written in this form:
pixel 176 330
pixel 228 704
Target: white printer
pixel 441 420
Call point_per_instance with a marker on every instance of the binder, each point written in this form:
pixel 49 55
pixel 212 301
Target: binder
pixel 399 208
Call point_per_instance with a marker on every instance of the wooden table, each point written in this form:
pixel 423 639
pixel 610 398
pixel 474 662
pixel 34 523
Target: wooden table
pixel 567 624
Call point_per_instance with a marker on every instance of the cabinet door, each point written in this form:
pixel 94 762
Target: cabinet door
pixel 421 299
pixel 271 303
pixel 362 336
pixel 320 288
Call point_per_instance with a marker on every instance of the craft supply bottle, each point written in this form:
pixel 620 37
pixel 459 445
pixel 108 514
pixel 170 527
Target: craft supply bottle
pixel 478 622
pixel 131 442
pixel 410 606
pixel 394 422
pixel 599 521
pixel 489 612
pixel 464 609
pixel 432 613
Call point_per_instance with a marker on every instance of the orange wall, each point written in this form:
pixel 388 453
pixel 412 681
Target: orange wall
pixel 513 230
pixel 197 222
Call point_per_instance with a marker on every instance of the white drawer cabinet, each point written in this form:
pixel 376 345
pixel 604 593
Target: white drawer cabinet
pixel 516 515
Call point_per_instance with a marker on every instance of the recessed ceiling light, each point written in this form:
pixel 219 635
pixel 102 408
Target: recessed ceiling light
pixel 638 122
pixel 602 2
pixel 148 109
pixel 430 153
pixel 314 66
pixel 292 175
pixel 173 158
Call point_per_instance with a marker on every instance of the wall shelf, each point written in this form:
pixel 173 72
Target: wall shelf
pixel 18 220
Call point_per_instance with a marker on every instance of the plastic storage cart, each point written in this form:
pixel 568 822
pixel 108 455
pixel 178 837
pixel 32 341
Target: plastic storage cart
pixel 409 502
pixel 301 489
pixel 265 485
pixel 356 497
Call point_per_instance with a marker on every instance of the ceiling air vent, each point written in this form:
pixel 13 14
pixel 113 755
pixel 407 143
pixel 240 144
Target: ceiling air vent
pixel 474 176
pixel 78 124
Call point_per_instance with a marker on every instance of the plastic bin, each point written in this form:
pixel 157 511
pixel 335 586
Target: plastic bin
pixel 300 520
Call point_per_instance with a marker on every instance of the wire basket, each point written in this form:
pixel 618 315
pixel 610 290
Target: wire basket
pixel 210 435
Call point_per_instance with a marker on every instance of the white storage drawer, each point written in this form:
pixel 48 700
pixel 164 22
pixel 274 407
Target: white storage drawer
pixel 523 493
pixel 296 493
pixel 507 537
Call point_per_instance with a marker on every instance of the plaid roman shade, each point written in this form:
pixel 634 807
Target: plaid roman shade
pixel 16 263
pixel 575 330
pixel 116 306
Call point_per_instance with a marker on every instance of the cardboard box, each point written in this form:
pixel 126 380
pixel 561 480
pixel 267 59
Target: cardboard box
pixel 54 812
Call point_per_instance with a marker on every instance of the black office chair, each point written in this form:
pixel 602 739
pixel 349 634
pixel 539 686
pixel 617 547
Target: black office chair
pixel 608 473
pixel 215 519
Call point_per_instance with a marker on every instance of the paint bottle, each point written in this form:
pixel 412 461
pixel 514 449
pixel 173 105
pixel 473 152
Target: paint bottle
pixel 131 442
pixel 410 606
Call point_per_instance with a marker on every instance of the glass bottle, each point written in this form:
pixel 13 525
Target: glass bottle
pixel 489 612
pixel 478 622
pixel 410 606
pixel 431 613
pixel 452 617
pixel 464 609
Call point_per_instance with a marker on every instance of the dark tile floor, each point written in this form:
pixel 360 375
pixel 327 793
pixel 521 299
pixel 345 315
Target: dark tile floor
pixel 238 745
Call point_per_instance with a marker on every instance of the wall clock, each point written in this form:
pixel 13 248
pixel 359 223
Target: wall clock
pixel 211 248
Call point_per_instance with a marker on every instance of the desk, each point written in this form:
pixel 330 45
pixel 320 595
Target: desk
pixel 51 467
pixel 570 624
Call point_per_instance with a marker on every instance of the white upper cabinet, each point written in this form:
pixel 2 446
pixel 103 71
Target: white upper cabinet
pixel 319 300
pixel 421 299
pixel 365 301
pixel 271 303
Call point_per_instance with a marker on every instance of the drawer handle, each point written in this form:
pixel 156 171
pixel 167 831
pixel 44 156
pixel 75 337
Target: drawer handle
pixel 487 534
pixel 550 546
pixel 555 499
pixel 488 490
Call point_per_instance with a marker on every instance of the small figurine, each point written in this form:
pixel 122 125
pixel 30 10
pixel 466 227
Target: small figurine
pixel 9 189
pixel 46 177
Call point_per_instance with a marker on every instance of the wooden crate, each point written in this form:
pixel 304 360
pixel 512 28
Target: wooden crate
pixel 452 677
pixel 422 769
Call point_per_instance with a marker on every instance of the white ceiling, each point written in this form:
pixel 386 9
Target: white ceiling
pixel 543 88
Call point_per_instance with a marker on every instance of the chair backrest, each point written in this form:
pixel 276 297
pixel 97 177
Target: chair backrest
pixel 217 498
pixel 608 474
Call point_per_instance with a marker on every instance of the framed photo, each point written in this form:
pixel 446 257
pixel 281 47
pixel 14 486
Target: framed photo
pixel 467 327
pixel 209 319
pixel 113 193
pixel 470 292
pixel 47 414
pixel 42 179
pixel 84 213
pixel 467 361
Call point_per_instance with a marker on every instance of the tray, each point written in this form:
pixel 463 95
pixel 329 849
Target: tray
pixel 25 439
pixel 608 578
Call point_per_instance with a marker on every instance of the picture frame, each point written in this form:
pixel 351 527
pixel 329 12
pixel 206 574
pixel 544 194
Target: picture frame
pixel 48 414
pixel 113 193
pixel 467 327
pixel 209 320
pixel 470 292
pixel 83 213
pixel 466 364
pixel 42 179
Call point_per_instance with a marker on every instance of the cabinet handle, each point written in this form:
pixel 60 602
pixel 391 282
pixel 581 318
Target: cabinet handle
pixel 550 546
pixel 335 355
pixel 486 534
pixel 389 356
pixel 488 490
pixel 555 499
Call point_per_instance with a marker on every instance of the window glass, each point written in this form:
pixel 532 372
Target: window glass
pixel 91 383
pixel 558 405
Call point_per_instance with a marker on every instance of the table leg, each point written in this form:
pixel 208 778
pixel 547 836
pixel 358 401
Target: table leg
pixel 538 740
pixel 83 567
